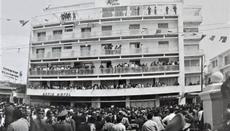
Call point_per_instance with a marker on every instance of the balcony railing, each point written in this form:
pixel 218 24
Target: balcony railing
pixel 103 52
pixel 193 69
pixel 100 34
pixel 111 12
pixel 112 92
pixel 118 70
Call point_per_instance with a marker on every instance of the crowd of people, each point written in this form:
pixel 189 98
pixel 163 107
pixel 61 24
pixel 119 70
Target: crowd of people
pixel 66 118
pixel 109 68
pixel 71 86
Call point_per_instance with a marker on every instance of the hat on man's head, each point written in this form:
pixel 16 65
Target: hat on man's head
pixel 63 113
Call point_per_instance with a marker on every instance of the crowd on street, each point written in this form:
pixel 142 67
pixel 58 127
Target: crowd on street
pixel 66 118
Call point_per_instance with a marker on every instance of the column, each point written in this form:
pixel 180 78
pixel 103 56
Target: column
pixel 127 102
pixel 181 78
pixel 157 101
pixel 96 102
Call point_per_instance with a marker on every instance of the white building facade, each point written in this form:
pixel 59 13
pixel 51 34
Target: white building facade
pixel 220 63
pixel 132 54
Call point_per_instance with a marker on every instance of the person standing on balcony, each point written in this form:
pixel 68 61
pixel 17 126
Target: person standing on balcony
pixel 167 10
pixel 155 10
pixel 175 9
pixel 149 10
pixel 138 10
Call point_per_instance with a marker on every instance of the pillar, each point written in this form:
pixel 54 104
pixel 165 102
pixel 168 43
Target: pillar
pixel 96 102
pixel 127 102
pixel 181 78
pixel 157 101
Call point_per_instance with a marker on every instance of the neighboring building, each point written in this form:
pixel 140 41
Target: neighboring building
pixel 134 54
pixel 12 92
pixel 220 63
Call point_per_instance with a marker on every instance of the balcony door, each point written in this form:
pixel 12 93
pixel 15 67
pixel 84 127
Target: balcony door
pixel 85 50
pixel 106 30
pixel 56 52
pixel 134 29
pixel 57 34
pixel 86 32
pixel 41 36
pixel 135 47
pixel 40 53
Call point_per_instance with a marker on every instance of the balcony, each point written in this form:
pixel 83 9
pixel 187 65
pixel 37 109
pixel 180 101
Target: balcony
pixel 189 53
pixel 192 14
pixel 105 71
pixel 193 69
pixel 103 53
pixel 104 13
pixel 111 92
pixel 118 34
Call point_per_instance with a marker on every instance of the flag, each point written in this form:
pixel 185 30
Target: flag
pixel 194 34
pixel 212 38
pixel 223 39
pixel 202 37
pixel 23 22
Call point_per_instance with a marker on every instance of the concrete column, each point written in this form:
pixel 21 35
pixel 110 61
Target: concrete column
pixel 96 102
pixel 213 105
pixel 181 78
pixel 127 102
pixel 157 101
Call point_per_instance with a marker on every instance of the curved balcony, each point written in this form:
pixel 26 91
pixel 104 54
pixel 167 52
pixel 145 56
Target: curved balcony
pixel 103 53
pixel 105 71
pixel 118 34
pixel 111 92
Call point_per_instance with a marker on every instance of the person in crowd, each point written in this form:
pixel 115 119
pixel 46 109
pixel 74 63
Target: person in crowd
pixel 38 124
pixel 83 126
pixel 119 126
pixel 91 121
pixel 20 123
pixel 9 110
pixel 157 118
pixel 61 124
pixel 150 125
pixel 108 126
pixel 169 117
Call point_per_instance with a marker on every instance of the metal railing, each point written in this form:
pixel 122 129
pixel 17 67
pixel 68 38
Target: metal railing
pixel 103 52
pixel 117 70
pixel 99 34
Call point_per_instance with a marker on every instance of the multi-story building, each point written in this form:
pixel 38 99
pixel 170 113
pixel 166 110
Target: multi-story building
pixel 132 54
pixel 220 63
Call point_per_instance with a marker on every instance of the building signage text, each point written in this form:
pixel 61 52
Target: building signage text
pixel 56 94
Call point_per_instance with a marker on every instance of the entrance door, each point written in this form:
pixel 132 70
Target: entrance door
pixel 115 104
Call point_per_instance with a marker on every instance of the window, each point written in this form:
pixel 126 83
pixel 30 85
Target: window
pixel 41 34
pixel 163 25
pixel 191 29
pixel 67 47
pixel 57 32
pixel 85 50
pixel 134 26
pixel 214 63
pixel 68 30
pixel 106 28
pixel 163 44
pixel 88 29
pixel 135 45
pixel 40 51
pixel 227 60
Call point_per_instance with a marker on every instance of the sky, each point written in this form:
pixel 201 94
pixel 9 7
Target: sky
pixel 216 14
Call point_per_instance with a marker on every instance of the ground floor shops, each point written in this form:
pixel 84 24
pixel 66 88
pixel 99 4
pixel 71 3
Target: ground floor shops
pixel 101 102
